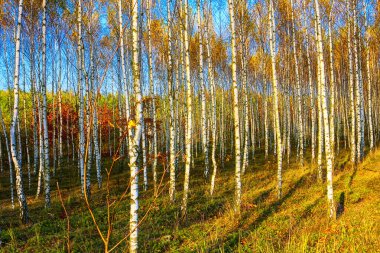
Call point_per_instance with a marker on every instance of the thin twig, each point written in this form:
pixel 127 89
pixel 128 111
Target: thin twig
pixel 67 218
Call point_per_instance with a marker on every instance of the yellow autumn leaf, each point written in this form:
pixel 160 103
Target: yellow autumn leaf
pixel 131 123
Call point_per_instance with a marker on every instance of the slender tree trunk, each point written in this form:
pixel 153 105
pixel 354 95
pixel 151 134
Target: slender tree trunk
pixel 369 81
pixel 320 128
pixel 135 132
pixel 351 88
pixel 41 148
pixel 81 97
pixel 332 86
pixel 89 122
pixel 27 144
pixel 152 94
pixel 245 109
pixel 312 101
pixel 358 91
pixel 205 145
pixel 266 131
pixel 172 165
pixel 144 152
pixel 213 102
pixel 123 69
pixel 35 117
pixel 298 88
pixel 24 214
pixel 95 132
pixel 189 124
pixel 322 80
pixel 253 127
pixel 97 149
pixel 235 109
pixel 44 110
pixel 272 43
pixel 54 118
pixel 60 125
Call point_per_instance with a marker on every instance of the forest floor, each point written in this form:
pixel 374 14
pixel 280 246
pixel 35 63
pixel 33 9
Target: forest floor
pixel 296 223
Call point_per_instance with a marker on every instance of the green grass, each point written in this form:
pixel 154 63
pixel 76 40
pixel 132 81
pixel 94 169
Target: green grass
pixel 296 223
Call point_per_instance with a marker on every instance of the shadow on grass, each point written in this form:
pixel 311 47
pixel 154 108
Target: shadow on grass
pixel 262 196
pixel 307 211
pixel 234 237
pixel 352 176
pixel 274 207
pixel 340 209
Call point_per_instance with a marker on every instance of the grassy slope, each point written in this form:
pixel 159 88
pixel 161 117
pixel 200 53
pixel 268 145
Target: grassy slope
pixel 296 223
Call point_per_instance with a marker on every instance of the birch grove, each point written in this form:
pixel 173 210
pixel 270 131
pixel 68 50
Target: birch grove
pixel 189 101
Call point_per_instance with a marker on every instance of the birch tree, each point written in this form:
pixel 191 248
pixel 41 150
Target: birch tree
pixel 213 102
pixel 172 165
pixel 235 109
pixel 272 45
pixel 298 88
pixel 189 98
pixel 24 214
pixel 135 132
pixel 369 81
pixel 205 145
pixel 324 113
pixel 152 94
pixel 351 88
pixel 358 90
pixel 81 95
pixel 44 110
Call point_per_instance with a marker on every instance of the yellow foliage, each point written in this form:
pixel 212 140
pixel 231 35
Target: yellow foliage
pixel 131 124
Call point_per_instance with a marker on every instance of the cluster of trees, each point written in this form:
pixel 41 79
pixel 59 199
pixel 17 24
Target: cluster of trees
pixel 136 80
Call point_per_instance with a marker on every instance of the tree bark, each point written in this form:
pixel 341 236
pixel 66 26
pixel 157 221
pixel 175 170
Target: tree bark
pixel 237 203
pixel 24 214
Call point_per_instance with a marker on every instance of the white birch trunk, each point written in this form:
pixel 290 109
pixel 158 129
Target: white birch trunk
pixel 27 144
pixel 358 92
pixel 246 109
pixel 369 81
pixel 235 109
pixel 213 103
pixel 272 43
pixel 95 132
pixel 312 101
pixel 189 130
pixel 266 133
pixel 298 88
pixel 44 110
pixel 351 88
pixel 332 86
pixel 81 97
pixel 135 132
pixel 123 69
pixel 60 125
pixel 41 148
pixel 322 84
pixel 24 215
pixel 172 156
pixel 152 94
pixel 205 145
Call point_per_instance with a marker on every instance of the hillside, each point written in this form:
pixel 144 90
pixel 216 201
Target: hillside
pixel 296 223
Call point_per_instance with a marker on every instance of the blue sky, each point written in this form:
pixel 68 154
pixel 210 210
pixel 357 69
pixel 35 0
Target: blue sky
pixel 221 24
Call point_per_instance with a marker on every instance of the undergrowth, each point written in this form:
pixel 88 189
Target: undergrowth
pixel 296 223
